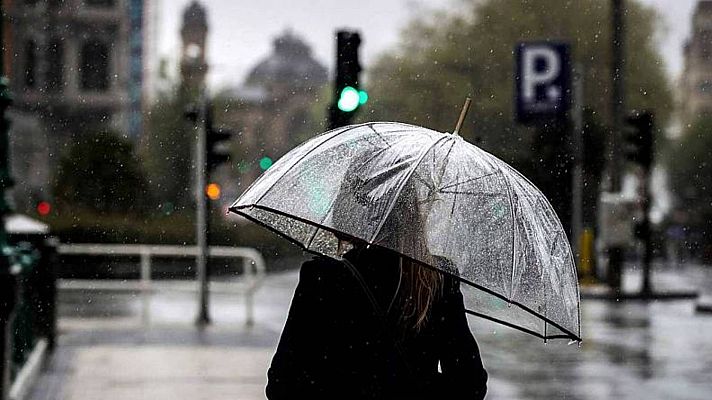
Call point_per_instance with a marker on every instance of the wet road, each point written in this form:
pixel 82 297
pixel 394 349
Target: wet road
pixel 631 349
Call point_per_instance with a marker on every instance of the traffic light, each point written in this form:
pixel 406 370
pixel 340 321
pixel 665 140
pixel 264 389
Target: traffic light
pixel 213 191
pixel 265 163
pixel 44 208
pixel 217 153
pixel 348 96
pixel 638 138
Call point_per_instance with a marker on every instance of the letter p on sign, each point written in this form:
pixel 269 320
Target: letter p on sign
pixel 542 81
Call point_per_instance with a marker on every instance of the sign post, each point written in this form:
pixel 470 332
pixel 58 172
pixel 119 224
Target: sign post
pixel 544 98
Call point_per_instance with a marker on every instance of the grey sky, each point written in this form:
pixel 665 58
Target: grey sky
pixel 241 32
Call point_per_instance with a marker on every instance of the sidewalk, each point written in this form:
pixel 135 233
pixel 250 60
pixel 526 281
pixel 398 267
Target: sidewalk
pixel 656 350
pixel 103 351
pixel 668 284
pixel 159 364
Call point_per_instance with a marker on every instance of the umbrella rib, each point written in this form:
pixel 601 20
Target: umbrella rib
pixel 349 128
pixel 379 135
pixel 454 198
pixel 473 193
pixel 422 180
pixel 321 222
pixel 517 327
pixel 469 180
pixel 512 213
pixel 407 178
pixel 546 291
pixel 446 158
pixel 445 161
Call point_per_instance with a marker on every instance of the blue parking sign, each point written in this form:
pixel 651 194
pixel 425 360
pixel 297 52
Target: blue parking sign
pixel 542 81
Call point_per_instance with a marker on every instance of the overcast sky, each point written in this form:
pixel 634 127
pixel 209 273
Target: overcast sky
pixel 241 31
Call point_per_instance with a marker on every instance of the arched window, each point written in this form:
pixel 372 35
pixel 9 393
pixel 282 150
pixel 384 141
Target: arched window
pixel 94 66
pixel 30 64
pixel 55 64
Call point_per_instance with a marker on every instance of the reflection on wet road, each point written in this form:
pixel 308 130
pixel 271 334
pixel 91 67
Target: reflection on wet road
pixel 631 350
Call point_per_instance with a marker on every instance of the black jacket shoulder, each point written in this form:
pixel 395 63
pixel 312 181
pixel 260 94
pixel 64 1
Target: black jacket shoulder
pixel 333 343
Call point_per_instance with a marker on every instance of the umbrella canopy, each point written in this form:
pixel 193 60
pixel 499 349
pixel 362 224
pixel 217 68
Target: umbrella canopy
pixel 436 199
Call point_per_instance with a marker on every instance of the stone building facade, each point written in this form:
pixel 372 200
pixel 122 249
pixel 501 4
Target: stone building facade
pixel 74 68
pixel 696 88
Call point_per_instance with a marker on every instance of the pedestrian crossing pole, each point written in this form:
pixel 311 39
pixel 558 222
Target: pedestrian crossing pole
pixel 201 207
pixel 613 164
pixel 577 175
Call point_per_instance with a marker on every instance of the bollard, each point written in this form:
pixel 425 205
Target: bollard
pixel 586 258
pixel 614 277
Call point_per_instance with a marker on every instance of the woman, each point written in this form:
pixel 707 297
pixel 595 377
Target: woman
pixel 394 329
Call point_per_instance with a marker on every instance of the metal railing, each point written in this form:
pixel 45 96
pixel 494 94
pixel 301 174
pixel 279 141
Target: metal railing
pixel 253 271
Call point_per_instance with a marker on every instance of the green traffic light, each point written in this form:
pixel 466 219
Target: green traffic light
pixel 349 100
pixel 265 163
pixel 362 97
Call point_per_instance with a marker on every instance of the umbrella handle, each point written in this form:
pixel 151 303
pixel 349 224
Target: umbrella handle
pixel 463 113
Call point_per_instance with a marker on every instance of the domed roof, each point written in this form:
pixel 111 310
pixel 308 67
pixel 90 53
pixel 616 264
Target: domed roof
pixel 290 63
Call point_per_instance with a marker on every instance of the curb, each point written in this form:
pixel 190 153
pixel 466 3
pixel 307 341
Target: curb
pixel 604 293
pixel 704 305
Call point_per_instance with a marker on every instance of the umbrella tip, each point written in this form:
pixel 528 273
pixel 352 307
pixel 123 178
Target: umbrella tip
pixel 463 113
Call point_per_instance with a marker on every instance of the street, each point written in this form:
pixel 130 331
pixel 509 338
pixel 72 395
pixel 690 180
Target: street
pixel 631 350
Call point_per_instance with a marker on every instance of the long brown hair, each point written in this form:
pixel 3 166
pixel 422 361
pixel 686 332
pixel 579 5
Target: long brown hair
pixel 420 289
pixel 420 285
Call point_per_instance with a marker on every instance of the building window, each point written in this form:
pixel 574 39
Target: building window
pixel 30 64
pixel 95 66
pixel 55 64
pixel 99 3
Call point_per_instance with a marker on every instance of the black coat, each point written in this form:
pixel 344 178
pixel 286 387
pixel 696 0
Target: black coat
pixel 334 345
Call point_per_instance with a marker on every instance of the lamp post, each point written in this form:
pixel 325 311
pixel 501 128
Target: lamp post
pixel 613 164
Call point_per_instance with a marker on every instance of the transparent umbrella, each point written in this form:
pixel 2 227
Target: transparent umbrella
pixel 428 196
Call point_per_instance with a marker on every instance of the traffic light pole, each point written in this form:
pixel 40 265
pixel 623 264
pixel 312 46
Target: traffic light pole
pixel 209 154
pixel 640 139
pixel 577 176
pixel 646 289
pixel 618 92
pixel 201 225
pixel 615 253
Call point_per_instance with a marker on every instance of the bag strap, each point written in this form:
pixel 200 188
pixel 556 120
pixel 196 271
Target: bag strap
pixel 381 316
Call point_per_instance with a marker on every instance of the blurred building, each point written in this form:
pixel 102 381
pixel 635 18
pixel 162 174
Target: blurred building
pixel 76 68
pixel 278 106
pixel 696 85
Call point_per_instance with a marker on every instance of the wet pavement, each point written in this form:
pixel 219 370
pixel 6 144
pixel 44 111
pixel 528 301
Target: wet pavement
pixel 631 350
